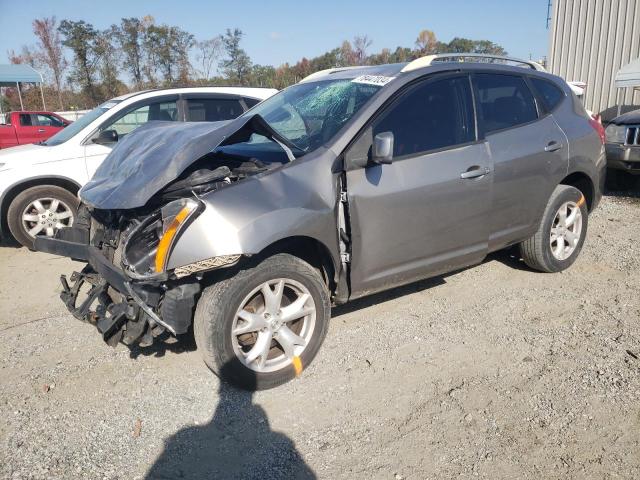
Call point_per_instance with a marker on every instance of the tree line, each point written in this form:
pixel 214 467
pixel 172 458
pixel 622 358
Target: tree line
pixel 84 66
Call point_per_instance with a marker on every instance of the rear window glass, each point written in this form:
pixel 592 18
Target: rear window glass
pixel 251 102
pixel 505 101
pixel 551 94
pixel 212 110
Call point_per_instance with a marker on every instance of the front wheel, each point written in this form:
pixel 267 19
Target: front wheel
pixel 41 211
pixel 263 326
pixel 560 236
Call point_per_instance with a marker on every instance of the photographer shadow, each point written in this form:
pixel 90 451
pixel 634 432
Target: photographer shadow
pixel 238 443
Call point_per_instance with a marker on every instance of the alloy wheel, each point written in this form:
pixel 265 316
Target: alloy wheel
pixel 46 215
pixel 273 325
pixel 566 230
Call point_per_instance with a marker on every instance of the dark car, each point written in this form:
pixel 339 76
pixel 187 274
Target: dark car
pixel 623 145
pixel 353 181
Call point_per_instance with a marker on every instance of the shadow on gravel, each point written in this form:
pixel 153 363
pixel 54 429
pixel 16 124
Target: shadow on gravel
pixel 388 295
pixel 237 443
pixel 509 257
pixel 181 344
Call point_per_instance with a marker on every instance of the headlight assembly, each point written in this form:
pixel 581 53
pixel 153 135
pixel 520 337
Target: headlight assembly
pixel 175 216
pixel 616 133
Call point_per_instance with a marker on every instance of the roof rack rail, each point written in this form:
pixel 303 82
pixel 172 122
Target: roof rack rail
pixel 320 73
pixel 461 57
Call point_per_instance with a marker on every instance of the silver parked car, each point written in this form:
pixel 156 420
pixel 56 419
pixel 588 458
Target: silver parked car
pixel 353 181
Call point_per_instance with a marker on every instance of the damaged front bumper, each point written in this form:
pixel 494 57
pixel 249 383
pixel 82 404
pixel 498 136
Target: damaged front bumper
pixel 122 308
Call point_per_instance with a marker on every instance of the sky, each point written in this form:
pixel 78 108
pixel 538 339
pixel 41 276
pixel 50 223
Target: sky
pixel 285 31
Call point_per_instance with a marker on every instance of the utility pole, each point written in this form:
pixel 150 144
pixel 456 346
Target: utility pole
pixel 549 13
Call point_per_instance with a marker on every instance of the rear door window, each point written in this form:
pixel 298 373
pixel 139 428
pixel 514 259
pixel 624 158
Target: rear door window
pixel 213 109
pixel 504 101
pixel 430 116
pixel 550 93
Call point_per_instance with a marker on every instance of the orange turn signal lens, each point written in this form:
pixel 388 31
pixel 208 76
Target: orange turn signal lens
pixel 166 241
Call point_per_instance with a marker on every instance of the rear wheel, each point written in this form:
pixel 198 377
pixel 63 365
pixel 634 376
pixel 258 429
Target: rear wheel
pixel 41 211
pixel 263 326
pixel 560 236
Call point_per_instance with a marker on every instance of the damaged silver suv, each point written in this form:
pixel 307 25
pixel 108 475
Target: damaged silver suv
pixel 353 181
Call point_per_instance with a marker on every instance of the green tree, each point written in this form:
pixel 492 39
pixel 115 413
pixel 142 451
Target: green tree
pixel 182 42
pixel 263 76
pixel 108 65
pixel 487 47
pixel 168 53
pixel 237 65
pixel 465 45
pixel 80 37
pixel 460 45
pixel 129 36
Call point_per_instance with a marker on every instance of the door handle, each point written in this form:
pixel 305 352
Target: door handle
pixel 475 172
pixel 553 146
pixel 41 130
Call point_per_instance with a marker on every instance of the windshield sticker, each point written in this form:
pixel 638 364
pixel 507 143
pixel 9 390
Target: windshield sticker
pixel 379 80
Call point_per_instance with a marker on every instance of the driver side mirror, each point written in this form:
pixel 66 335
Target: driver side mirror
pixel 106 137
pixel 382 151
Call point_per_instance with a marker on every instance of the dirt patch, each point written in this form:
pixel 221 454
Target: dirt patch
pixel 494 372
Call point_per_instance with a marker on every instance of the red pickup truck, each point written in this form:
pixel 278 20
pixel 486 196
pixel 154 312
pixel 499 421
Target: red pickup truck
pixel 29 127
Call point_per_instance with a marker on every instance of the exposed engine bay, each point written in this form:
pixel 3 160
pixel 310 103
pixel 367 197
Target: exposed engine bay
pixel 124 290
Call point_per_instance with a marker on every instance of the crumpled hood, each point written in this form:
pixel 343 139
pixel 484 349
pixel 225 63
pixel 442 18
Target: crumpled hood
pixel 155 154
pixel 632 117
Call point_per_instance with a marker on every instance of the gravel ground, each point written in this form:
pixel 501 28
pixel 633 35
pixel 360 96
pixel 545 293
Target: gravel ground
pixel 492 372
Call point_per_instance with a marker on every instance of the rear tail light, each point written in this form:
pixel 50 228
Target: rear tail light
pixel 596 123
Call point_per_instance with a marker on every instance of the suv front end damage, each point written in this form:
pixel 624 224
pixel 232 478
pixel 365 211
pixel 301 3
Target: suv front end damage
pixel 149 229
pixel 124 290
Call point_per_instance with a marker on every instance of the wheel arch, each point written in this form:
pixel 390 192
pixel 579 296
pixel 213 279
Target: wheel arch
pixel 309 249
pixel 582 182
pixel 14 190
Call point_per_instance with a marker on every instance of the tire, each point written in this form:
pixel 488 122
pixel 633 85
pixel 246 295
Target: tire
pixel 228 354
pixel 46 194
pixel 538 251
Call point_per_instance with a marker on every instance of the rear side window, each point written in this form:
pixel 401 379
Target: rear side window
pixel 430 116
pixel 25 120
pixel 504 101
pixel 550 93
pixel 212 110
